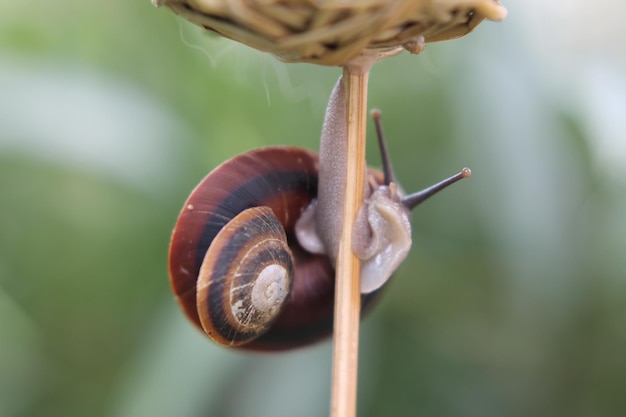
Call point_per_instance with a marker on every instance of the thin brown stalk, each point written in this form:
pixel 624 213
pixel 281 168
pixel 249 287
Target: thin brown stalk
pixel 347 295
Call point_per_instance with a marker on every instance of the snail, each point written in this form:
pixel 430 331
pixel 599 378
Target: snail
pixel 251 258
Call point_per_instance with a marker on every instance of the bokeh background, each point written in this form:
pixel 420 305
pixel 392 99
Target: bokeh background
pixel 511 303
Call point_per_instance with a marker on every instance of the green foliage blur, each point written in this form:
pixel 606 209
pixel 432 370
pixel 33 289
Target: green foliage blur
pixel 513 299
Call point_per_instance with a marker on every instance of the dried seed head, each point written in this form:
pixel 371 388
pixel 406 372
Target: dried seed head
pixel 333 32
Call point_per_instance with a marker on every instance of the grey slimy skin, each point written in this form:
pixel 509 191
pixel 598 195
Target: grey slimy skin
pixel 382 230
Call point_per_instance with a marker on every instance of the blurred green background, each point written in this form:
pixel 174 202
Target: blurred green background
pixel 511 303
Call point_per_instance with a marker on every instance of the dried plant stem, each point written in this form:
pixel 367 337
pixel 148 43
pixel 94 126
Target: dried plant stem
pixel 347 295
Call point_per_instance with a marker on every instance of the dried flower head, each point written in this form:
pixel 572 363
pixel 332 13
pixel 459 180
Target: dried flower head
pixel 332 32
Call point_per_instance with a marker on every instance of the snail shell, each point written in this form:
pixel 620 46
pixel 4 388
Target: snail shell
pixel 279 183
pixel 245 277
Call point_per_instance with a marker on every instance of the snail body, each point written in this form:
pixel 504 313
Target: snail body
pixel 252 255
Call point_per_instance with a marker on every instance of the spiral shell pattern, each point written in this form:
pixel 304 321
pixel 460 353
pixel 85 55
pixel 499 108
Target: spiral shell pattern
pixel 245 277
pixel 283 180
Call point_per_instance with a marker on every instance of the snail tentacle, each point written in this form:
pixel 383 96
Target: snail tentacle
pixel 382 230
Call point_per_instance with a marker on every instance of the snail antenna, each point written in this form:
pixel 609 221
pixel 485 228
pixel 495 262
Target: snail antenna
pixel 384 154
pixel 412 200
